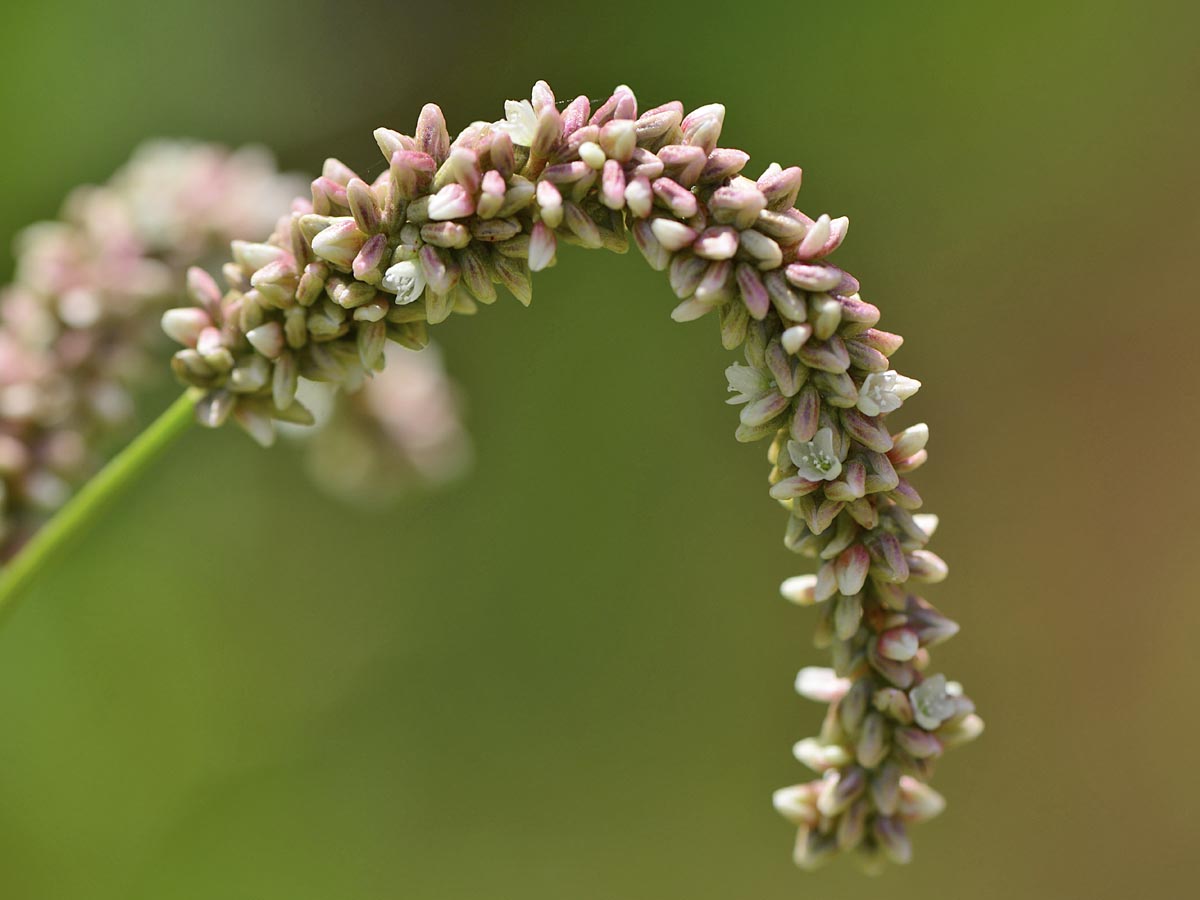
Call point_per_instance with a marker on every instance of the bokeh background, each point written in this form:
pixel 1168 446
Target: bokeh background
pixel 570 674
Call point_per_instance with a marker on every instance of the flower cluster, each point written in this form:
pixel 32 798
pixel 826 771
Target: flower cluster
pixel 367 262
pixel 79 324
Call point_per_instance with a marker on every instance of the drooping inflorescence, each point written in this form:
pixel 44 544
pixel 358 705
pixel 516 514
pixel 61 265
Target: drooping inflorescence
pixel 449 220
pixel 79 325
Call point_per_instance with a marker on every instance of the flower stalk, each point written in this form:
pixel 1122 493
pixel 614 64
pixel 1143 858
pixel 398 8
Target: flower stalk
pixel 80 511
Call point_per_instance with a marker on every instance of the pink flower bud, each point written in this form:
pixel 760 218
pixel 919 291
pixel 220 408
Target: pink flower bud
pixel 451 202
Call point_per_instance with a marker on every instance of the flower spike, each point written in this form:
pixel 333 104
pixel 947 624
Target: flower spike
pixel 491 207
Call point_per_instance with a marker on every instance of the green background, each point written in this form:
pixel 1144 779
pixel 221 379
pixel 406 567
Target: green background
pixel 569 675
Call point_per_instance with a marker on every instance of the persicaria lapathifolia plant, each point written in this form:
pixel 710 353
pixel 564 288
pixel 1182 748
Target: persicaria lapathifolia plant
pixel 368 262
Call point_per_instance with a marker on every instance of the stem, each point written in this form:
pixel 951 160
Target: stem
pixel 87 503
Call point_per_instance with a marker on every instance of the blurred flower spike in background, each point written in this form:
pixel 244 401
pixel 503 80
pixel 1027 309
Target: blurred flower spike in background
pixel 78 332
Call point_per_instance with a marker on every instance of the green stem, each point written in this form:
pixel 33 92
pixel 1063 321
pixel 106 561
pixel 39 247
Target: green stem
pixel 87 503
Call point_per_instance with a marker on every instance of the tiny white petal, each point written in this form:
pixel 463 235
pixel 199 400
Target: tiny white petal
pixel 405 280
pixel 823 441
pixel 520 121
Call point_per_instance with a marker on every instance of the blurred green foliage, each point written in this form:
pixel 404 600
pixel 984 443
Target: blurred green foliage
pixel 569 675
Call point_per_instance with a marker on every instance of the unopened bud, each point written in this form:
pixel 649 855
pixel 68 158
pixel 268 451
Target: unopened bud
pixel 267 339
pixel 900 644
pixel 872 747
pixel 840 790
pixel 820 684
pixel 797 804
pixel 918 742
pixel 185 324
pixel 918 801
pixel 800 589
pixel 851 569
pixel 927 567
pixel 892 839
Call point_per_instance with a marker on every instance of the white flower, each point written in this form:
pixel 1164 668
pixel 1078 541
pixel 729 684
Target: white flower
pixel 815 459
pixel 520 121
pixel 405 280
pixel 931 702
pixel 883 392
pixel 747 382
